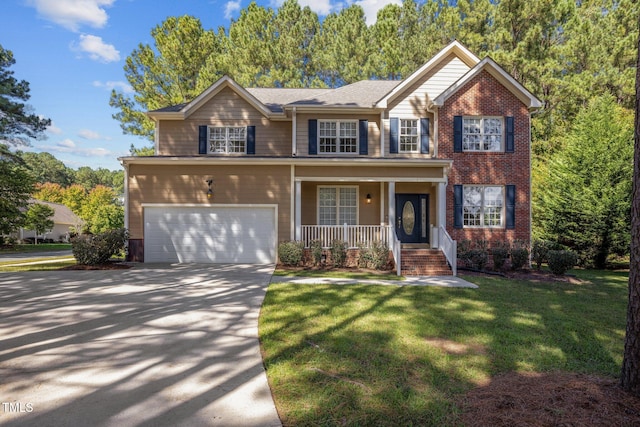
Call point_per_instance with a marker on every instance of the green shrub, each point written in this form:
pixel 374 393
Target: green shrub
pixel 290 253
pixel 96 249
pixel 479 258
pixel 539 250
pixel 561 261
pixel 499 254
pixel 338 253
pixel 365 256
pixel 377 255
pixel 463 252
pixel 519 258
pixel 316 251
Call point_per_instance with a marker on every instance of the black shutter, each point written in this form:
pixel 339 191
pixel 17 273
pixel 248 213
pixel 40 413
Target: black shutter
pixel 457 206
pixel 313 136
pixel 202 139
pixel 364 137
pixel 393 135
pixel 457 134
pixel 251 140
pixel 510 203
pixel 424 135
pixel 509 138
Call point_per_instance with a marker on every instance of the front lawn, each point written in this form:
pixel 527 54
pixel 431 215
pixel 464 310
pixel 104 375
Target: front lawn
pixel 40 247
pixel 386 355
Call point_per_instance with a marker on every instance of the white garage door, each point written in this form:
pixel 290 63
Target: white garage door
pixel 216 234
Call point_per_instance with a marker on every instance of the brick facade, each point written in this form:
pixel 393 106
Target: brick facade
pixel 486 96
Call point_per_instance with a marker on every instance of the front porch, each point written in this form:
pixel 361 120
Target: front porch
pixel 362 211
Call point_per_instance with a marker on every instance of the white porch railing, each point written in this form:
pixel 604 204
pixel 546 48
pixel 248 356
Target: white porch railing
pixel 354 235
pixel 450 249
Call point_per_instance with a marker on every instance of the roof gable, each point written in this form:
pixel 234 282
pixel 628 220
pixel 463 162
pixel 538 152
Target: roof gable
pixel 455 48
pixel 499 74
pixel 183 111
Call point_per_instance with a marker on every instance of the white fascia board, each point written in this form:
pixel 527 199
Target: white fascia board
pixel 454 47
pixel 501 75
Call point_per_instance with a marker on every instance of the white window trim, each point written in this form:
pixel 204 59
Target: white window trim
pixel 502 211
pixel 419 135
pixel 226 152
pixel 481 150
pixel 338 187
pixel 338 139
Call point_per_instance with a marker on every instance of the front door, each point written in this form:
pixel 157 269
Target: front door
pixel 412 218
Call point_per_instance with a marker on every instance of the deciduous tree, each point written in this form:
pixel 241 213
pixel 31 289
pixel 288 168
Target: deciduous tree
pixel 39 218
pixel 16 186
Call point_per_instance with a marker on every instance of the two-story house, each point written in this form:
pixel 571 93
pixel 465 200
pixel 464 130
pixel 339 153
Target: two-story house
pixel 440 156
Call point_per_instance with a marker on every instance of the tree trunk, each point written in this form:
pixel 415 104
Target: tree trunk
pixel 630 378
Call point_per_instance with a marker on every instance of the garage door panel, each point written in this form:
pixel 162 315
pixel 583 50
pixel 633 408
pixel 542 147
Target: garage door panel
pixel 216 234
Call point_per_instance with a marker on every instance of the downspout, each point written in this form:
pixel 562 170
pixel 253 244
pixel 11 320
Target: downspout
pixel 434 111
pixel 126 203
pixel 382 133
pixel 294 131
pixel 156 138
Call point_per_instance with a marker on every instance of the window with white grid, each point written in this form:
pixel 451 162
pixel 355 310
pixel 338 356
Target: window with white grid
pixel 337 205
pixel 337 136
pixel 227 139
pixel 483 206
pixel 408 136
pixel 482 133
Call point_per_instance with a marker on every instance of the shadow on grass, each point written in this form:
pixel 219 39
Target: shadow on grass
pixel 374 355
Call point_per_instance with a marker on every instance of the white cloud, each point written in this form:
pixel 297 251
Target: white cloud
pixel 97 49
pixel 53 129
pixel 371 8
pixel 90 134
pixel 321 7
pixel 119 86
pixel 66 143
pixel 71 14
pixel 230 8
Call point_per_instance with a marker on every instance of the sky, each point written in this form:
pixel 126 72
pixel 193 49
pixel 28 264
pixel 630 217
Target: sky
pixel 72 53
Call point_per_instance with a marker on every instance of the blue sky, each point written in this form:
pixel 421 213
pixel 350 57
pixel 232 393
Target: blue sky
pixel 72 53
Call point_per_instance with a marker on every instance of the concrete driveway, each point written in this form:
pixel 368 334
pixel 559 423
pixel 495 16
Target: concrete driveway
pixel 151 346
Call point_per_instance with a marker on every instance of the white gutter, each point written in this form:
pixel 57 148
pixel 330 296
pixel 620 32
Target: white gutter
pixel 382 130
pixel 294 131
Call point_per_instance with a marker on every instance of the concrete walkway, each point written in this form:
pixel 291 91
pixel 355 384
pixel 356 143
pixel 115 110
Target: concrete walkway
pixel 443 281
pixel 151 346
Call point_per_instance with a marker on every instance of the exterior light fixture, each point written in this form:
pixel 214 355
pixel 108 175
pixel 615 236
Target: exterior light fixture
pixel 210 190
pixel 368 198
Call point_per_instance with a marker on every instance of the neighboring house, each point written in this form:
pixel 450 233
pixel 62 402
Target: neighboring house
pixel 65 223
pixel 440 156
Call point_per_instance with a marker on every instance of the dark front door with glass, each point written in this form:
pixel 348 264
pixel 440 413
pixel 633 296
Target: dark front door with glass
pixel 412 218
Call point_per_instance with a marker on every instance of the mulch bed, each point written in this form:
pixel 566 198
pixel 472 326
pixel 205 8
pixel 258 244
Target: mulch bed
pixel 555 399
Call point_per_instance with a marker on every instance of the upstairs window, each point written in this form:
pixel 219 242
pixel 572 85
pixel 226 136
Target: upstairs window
pixel 483 206
pixel 409 136
pixel 227 139
pixel 482 134
pixel 337 136
pixel 337 205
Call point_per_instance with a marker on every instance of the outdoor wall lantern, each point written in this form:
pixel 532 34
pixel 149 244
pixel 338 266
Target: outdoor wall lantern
pixel 368 198
pixel 210 190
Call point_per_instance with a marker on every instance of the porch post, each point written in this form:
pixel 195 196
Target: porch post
pixel 442 205
pixel 298 219
pixel 392 203
pixel 382 222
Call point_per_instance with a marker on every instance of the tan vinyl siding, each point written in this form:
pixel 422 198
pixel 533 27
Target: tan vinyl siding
pixel 368 214
pixel 369 172
pixel 302 132
pixel 232 185
pixel 180 137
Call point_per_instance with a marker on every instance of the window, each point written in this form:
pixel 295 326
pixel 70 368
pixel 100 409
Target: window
pixel 482 134
pixel 409 136
pixel 338 136
pixel 482 206
pixel 337 205
pixel 227 139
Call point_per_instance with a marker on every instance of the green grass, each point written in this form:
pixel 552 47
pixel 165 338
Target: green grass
pixel 40 247
pixel 5 267
pixel 387 355
pixel 336 274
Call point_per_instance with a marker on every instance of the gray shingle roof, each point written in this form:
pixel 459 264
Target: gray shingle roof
pixel 362 94
pixel 62 214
